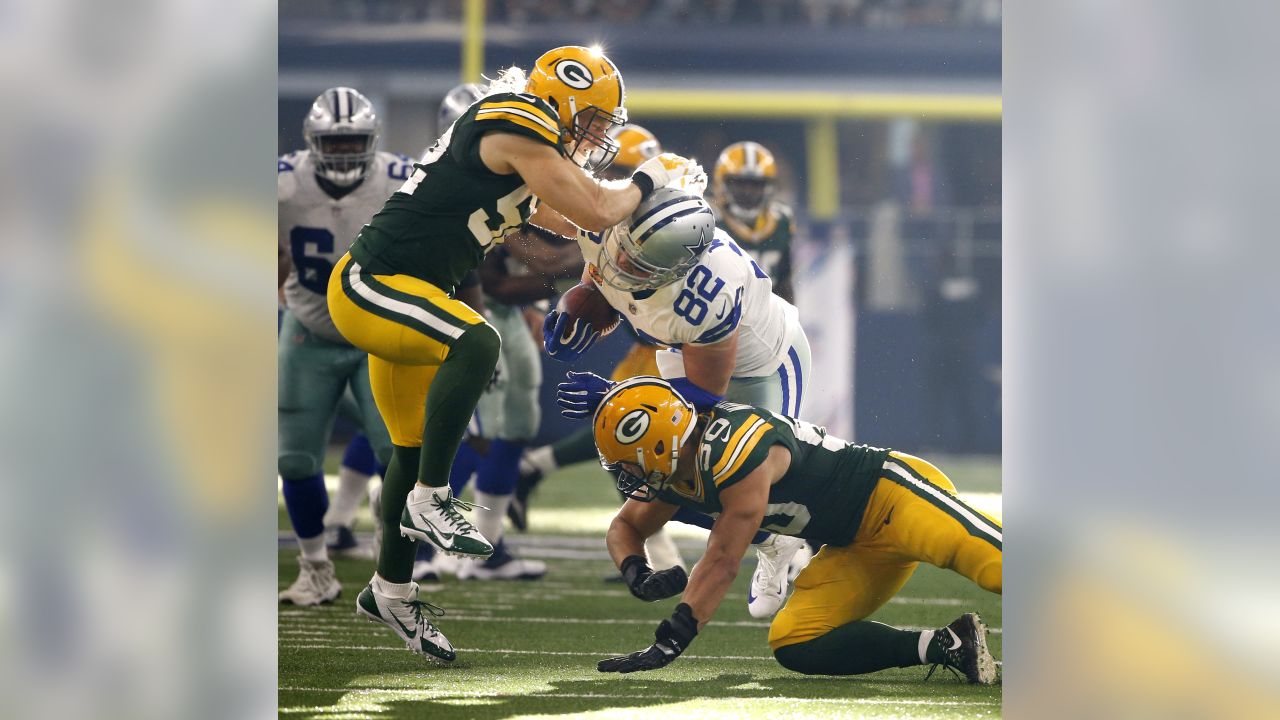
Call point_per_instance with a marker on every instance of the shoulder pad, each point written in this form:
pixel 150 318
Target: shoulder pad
pixel 520 114
pixel 734 438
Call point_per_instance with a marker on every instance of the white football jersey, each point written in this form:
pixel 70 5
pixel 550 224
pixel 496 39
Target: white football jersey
pixel 725 291
pixel 316 230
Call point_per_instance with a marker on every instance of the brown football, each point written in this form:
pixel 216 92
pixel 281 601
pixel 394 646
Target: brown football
pixel 585 301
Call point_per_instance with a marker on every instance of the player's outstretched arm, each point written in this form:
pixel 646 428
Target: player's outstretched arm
pixel 559 183
pixel 744 504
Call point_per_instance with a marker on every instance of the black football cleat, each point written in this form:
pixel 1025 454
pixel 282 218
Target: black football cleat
pixel 962 646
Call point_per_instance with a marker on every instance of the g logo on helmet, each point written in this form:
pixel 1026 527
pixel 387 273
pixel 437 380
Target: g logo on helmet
pixel 632 427
pixel 574 74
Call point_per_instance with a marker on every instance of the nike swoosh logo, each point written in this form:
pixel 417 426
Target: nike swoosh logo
pixel 750 598
pixel 411 633
pixel 888 517
pixel 446 539
pixel 955 637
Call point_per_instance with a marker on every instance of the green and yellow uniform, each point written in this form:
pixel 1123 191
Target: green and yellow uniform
pixel 431 356
pixel 878 512
pixel 767 241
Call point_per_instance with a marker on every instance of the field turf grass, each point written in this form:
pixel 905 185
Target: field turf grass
pixel 530 648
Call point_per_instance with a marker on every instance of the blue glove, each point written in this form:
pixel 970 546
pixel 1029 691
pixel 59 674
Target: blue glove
pixel 566 338
pixel 581 395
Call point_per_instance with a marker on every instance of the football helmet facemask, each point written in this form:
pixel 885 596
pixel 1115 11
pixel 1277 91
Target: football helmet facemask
pixel 586 91
pixel 744 179
pixel 659 244
pixel 341 132
pixel 639 429
pixel 456 102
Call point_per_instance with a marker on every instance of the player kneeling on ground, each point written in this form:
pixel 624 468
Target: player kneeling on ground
pixel 878 512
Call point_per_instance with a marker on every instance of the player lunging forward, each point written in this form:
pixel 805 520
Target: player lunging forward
pixel 683 283
pixel 431 356
pixel 879 513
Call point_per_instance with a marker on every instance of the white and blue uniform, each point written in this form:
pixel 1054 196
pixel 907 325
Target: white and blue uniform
pixel 724 292
pixel 315 363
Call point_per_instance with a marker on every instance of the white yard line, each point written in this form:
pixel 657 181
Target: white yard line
pixel 434 694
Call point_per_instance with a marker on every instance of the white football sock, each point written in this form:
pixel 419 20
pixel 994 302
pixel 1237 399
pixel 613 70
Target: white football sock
pixel 923 645
pixel 351 489
pixel 541 459
pixel 313 548
pixel 390 589
pixel 489 522
pixel 662 551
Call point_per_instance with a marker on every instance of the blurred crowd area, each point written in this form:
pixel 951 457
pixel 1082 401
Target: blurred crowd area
pixel 851 13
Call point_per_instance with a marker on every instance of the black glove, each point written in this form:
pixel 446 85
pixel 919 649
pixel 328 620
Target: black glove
pixel 671 638
pixel 649 585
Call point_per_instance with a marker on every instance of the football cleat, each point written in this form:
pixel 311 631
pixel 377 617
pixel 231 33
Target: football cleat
pixel 434 516
pixel 769 582
pixel 502 565
pixel 407 617
pixel 340 538
pixel 316 584
pixel 962 645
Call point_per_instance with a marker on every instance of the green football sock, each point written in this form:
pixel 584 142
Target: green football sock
pixel 859 647
pixel 457 387
pixel 395 560
pixel 577 447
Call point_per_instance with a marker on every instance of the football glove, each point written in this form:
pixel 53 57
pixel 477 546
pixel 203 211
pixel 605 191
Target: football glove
pixel 581 395
pixel 566 338
pixel 649 585
pixel 671 638
pixel 666 169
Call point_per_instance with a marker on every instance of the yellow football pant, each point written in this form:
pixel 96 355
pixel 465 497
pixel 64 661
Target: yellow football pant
pixel 406 324
pixel 913 516
pixel 641 359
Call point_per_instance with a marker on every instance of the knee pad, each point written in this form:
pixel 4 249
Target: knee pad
pixel 796 659
pixel 294 465
pixel 478 343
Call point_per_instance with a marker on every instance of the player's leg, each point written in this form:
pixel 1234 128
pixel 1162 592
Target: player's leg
pixel 359 464
pixel 375 450
pixel 578 446
pixel 406 322
pixel 499 469
pixel 308 393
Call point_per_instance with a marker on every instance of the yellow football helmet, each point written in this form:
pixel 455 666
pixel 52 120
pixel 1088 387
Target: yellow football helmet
pixel 585 89
pixel 744 179
pixel 639 428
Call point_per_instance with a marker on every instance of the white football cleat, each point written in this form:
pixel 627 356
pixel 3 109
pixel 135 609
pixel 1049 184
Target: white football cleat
pixel 316 584
pixel 407 617
pixel 769 582
pixel 501 565
pixel 434 516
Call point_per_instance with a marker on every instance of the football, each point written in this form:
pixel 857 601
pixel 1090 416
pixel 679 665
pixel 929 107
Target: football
pixel 585 301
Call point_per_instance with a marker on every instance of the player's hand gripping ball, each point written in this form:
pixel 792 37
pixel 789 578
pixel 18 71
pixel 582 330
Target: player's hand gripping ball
pixel 581 317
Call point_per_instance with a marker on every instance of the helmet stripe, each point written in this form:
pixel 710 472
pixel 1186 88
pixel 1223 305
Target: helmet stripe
pixel 653 215
pixel 663 222
pixel 333 104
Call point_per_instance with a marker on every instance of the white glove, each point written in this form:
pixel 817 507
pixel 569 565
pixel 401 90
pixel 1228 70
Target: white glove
pixel 671 169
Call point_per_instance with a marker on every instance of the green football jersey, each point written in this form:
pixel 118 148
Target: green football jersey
pixel 452 209
pixel 821 497
pixel 768 241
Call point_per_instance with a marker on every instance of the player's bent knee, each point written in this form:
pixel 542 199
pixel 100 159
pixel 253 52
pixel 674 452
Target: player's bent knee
pixel 799 658
pixel 991 577
pixel 479 343
pixel 292 466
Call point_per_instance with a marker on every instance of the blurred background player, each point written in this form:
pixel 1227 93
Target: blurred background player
pixel 326 193
pixel 635 145
pixel 508 414
pixel 742 194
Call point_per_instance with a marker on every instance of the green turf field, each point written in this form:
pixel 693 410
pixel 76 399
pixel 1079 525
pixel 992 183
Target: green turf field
pixel 530 648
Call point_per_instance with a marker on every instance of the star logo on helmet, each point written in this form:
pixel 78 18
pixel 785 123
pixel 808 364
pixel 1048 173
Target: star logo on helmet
pixel 697 247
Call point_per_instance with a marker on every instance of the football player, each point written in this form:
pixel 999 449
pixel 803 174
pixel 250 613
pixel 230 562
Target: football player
pixel 431 356
pixel 326 192
pixel 508 413
pixel 742 194
pixel 635 145
pixel 877 512
pixel 681 282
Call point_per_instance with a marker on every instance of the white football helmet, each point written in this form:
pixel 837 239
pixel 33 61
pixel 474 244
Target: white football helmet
pixel 661 241
pixel 342 133
pixel 456 102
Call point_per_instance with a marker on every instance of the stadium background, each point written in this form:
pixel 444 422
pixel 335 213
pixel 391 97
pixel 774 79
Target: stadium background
pixel 883 114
